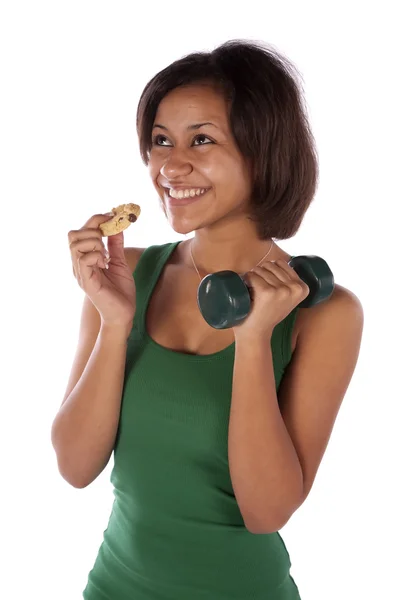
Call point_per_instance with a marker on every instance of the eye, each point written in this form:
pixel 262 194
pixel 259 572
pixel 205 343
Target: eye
pixel 201 135
pixel 156 141
pixel 156 138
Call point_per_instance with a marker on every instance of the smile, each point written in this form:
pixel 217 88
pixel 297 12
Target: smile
pixel 187 196
pixel 189 193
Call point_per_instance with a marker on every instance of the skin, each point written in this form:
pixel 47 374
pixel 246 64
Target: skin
pixel 225 238
pixel 276 440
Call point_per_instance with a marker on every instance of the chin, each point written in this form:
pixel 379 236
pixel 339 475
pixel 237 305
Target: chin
pixel 181 228
pixel 183 225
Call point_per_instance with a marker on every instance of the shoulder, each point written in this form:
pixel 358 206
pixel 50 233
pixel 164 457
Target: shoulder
pixel 132 256
pixel 342 311
pixel 342 302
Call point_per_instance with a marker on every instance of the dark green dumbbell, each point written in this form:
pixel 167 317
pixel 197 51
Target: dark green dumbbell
pixel 224 298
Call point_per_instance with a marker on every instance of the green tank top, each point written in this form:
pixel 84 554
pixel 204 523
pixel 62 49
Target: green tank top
pixel 175 530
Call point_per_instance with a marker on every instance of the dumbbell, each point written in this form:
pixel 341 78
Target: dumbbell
pixel 224 297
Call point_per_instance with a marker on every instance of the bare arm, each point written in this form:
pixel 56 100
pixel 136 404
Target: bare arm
pixel 84 429
pixel 276 441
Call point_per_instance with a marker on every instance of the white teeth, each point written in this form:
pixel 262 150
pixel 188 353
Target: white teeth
pixel 179 194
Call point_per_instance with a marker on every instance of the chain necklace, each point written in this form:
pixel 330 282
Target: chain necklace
pixel 197 271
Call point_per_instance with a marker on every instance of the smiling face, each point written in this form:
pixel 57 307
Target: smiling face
pixel 195 158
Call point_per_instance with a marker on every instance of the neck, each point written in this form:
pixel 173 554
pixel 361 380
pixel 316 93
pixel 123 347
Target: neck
pixel 235 249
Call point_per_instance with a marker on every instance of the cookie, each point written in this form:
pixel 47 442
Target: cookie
pixel 124 215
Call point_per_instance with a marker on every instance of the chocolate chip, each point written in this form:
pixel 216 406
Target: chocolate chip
pixel 132 218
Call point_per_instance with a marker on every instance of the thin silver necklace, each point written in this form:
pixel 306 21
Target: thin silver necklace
pixel 197 271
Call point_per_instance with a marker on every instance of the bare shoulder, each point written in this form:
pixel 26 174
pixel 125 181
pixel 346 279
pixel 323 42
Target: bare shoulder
pixel 347 297
pixel 132 256
pixel 343 307
pixel 343 299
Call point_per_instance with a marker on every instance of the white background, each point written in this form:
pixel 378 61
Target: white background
pixel 71 76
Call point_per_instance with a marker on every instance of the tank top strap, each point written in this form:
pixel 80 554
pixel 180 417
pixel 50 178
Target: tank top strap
pixel 146 274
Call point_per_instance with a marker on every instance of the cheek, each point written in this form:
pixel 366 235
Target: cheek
pixel 224 167
pixel 153 171
pixel 241 179
pixel 237 183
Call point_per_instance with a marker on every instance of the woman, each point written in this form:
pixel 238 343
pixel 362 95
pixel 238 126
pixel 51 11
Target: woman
pixel 217 434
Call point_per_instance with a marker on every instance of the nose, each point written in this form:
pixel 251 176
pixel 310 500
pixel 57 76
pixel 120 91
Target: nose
pixel 176 165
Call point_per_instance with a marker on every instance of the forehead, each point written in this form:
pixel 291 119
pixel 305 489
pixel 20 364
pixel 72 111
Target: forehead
pixel 192 103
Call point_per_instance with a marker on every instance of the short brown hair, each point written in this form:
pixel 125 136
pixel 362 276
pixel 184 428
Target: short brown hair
pixel 268 120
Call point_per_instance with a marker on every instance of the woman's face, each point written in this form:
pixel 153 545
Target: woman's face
pixel 189 156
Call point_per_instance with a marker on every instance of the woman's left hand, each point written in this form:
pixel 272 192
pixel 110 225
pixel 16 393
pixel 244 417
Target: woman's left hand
pixel 275 290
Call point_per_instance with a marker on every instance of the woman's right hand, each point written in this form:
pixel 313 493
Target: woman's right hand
pixel 112 290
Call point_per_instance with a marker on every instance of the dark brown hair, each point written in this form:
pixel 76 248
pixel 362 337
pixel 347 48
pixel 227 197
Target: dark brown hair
pixel 268 120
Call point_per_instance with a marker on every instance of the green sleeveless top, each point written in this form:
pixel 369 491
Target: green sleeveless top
pixel 175 530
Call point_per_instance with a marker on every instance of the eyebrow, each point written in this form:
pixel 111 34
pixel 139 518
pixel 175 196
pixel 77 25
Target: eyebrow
pixel 190 128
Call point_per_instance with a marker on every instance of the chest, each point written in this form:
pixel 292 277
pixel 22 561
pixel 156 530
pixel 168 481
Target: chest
pixel 174 321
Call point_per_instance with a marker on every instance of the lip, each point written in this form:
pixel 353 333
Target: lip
pixel 183 201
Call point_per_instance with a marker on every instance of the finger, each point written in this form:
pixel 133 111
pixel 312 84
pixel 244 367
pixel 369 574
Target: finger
pixel 116 246
pixel 80 247
pixel 87 245
pixel 284 274
pixel 82 234
pixel 97 220
pixel 291 276
pixel 287 268
pixel 86 263
pixel 91 225
pixel 266 275
pixel 258 279
pixel 277 268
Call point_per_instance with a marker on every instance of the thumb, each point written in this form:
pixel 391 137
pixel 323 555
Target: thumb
pixel 116 246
